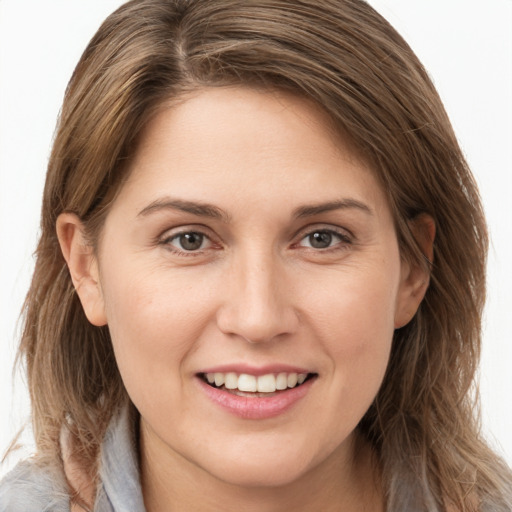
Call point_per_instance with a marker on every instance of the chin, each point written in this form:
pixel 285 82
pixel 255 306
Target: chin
pixel 270 475
pixel 270 465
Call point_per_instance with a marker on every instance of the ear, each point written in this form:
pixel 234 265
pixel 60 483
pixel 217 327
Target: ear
pixel 415 277
pixel 83 266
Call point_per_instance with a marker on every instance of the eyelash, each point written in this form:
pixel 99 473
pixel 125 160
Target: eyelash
pixel 344 240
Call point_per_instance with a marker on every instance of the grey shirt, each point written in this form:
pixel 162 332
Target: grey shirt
pixel 31 487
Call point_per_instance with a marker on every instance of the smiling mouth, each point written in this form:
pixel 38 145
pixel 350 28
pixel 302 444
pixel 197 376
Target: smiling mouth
pixel 267 385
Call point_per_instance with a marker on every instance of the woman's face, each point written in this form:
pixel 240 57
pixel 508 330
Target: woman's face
pixel 249 246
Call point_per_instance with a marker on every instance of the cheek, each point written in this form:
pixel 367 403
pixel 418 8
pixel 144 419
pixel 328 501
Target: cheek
pixel 355 323
pixel 358 307
pixel 154 324
pixel 151 307
pixel 359 345
pixel 352 326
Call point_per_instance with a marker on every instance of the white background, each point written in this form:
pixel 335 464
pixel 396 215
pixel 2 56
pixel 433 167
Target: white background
pixel 465 44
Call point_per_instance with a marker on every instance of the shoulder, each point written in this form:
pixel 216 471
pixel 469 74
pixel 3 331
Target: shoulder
pixel 33 487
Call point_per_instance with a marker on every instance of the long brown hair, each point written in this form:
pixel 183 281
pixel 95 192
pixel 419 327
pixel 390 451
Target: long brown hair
pixel 354 65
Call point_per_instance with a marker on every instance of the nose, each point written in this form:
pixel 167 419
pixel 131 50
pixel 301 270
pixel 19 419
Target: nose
pixel 257 305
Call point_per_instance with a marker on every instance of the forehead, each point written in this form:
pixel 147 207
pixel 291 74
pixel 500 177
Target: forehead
pixel 221 143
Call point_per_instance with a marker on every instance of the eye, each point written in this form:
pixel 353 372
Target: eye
pixel 189 241
pixel 323 239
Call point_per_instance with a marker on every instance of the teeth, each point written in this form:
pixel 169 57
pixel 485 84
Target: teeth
pixel 231 381
pixel 247 382
pixel 282 381
pixel 292 380
pixel 218 378
pixel 301 378
pixel 268 383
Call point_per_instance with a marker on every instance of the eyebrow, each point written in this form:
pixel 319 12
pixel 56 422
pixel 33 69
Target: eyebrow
pixel 194 207
pixel 208 210
pixel 342 204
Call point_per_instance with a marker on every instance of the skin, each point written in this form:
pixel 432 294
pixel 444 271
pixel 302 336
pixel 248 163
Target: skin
pixel 255 292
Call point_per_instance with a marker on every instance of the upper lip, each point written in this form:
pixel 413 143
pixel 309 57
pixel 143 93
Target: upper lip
pixel 255 370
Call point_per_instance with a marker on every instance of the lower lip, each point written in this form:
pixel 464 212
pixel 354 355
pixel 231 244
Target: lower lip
pixel 256 408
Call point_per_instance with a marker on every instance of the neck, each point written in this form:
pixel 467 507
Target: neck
pixel 347 480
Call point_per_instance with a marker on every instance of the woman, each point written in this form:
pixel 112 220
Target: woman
pixel 260 275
